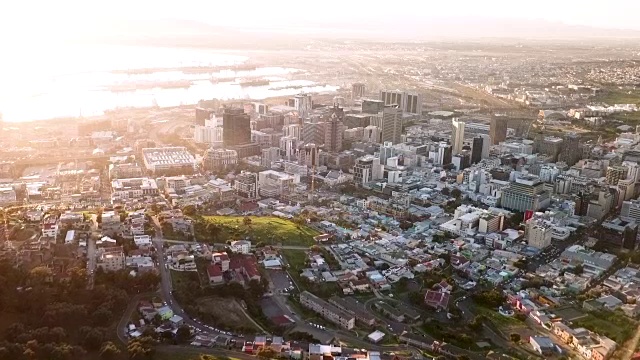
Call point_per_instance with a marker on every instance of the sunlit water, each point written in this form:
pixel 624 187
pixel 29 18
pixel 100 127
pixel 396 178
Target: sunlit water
pixel 60 82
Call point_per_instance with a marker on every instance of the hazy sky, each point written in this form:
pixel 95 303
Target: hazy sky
pixel 26 19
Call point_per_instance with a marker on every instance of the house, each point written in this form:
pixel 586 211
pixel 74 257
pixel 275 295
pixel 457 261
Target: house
pixel 459 262
pixel 241 246
pixel 436 299
pixel 215 274
pixel 542 344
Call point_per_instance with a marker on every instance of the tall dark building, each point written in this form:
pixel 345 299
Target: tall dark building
pixel 236 127
pixel 476 150
pixel 203 114
pixel 333 130
pixel 498 130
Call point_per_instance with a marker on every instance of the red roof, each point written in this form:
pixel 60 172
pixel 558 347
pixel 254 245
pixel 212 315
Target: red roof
pixel 219 257
pixel 251 266
pixel 436 299
pixel 214 270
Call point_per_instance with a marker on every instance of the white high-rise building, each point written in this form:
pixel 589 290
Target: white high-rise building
pixel 303 104
pixel 457 136
pixel 289 146
pixel 211 133
pixel 291 130
pixel 371 134
pixel 538 234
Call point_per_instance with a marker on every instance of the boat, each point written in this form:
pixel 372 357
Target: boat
pixel 259 82
pixel 215 80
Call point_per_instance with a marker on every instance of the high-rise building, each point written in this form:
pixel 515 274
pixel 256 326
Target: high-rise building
pixel 571 151
pixel 444 154
pixel 269 155
pixel 392 125
pixel 303 104
pixel 209 133
pixel 386 151
pixel 333 131
pixel 203 114
pixel 486 145
pixel 367 169
pixel 236 127
pixel 526 193
pixel 372 134
pixel 357 91
pixel 291 130
pixel 631 209
pixel 538 234
pixel 476 149
pixel 616 173
pixel 457 135
pixel 408 102
pixel 288 147
pixel 313 132
pixel 308 155
pixel 498 130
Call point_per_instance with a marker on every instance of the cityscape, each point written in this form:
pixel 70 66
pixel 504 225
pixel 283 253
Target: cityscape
pixel 325 197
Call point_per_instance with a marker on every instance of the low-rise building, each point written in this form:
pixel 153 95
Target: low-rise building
pixel 327 310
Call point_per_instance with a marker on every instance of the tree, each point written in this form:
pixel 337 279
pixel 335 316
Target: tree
pixel 109 351
pixel 456 193
pixel 578 270
pixel 140 348
pixel 445 191
pixel 189 210
pixel 515 337
pixel 401 285
pixel 183 334
pixel 266 353
pixel 246 221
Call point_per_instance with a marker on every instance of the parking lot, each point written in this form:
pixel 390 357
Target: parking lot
pixel 281 281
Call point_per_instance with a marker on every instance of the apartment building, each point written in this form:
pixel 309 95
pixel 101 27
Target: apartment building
pixel 111 258
pixel 125 189
pixel 352 306
pixel 327 310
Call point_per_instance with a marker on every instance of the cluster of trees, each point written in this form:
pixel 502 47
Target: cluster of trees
pixel 57 317
pixel 489 298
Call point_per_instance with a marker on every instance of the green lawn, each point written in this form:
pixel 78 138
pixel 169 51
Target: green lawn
pixel 499 320
pixel 181 279
pixel 267 229
pixel 616 96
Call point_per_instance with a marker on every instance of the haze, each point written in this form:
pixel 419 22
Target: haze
pixel 71 20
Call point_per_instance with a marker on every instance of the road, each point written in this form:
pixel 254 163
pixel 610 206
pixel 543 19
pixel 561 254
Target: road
pixel 126 317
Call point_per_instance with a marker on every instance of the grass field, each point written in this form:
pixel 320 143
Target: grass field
pixel 183 278
pixel 267 229
pixel 499 320
pixel 226 312
pixel 616 96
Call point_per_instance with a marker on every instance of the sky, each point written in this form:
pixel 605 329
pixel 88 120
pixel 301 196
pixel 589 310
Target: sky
pixel 44 19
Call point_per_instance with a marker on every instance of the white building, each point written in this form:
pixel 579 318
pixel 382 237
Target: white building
pixel 241 246
pixel 273 183
pixel 457 136
pixel 538 234
pixel 125 189
pixel 168 158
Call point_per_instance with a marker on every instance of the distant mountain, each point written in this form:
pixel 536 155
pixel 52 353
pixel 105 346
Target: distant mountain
pixel 190 33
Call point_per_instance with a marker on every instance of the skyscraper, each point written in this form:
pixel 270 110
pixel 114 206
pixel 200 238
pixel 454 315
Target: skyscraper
pixel 313 132
pixel 303 104
pixel 236 127
pixel 457 135
pixel 409 102
pixel 357 90
pixel 392 125
pixel 333 130
pixel 498 130
pixel 476 149
pixel 486 144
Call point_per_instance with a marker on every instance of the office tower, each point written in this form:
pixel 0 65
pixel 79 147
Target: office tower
pixel 357 91
pixel 408 102
pixel 386 151
pixel 292 130
pixel 571 151
pixel 370 106
pixel 313 132
pixel 236 127
pixel 308 155
pixel 616 173
pixel 269 155
pixel 538 234
pixel 444 154
pixel 498 130
pixel 486 145
pixel 367 169
pixel 357 120
pixel 476 149
pixel 392 125
pixel 526 193
pixel 288 147
pixel 372 134
pixel 333 130
pixel 457 135
pixel 203 114
pixel 303 104
pixel 461 160
pixel 549 145
pixel 412 103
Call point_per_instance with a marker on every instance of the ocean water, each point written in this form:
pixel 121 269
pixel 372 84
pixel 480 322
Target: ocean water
pixel 54 82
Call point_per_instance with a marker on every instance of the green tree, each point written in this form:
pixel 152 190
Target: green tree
pixel 189 210
pixel 246 221
pixel 445 191
pixel 266 353
pixel 456 193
